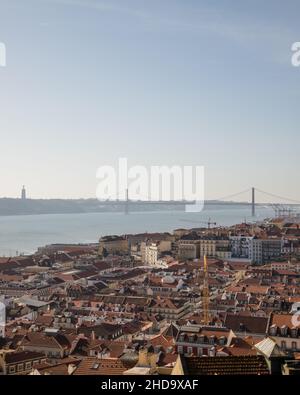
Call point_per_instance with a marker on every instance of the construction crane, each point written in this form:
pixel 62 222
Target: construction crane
pixel 210 223
pixel 205 294
pixel 282 210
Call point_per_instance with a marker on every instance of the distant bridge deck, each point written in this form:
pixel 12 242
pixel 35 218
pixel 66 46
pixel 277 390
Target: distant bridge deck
pixel 174 202
pixel 146 202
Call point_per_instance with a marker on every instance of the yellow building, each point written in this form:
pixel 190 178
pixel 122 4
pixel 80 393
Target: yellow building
pixel 113 245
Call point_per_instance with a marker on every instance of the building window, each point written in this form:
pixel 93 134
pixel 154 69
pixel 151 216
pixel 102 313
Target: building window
pixel 20 367
pixel 294 346
pixel 12 369
pixel 273 330
pixel 28 365
pixel 180 349
pixel 294 332
pixel 190 350
pixel 283 330
pixel 283 344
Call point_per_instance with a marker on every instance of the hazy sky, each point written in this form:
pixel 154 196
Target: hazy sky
pixel 161 82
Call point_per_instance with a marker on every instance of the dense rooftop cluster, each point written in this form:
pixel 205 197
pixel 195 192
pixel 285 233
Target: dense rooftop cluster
pixel 133 304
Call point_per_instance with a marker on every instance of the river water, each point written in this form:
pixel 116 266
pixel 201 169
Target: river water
pixel 24 234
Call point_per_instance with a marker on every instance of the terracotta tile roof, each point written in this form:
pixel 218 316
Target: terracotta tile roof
pixel 163 341
pixel 232 365
pixel 238 351
pixel 56 370
pixel 21 356
pixel 102 265
pixel 249 324
pixel 132 327
pixel 287 273
pixel 102 330
pixel 282 320
pixel 116 348
pixel 99 367
pixel 44 320
pixel 60 368
pixel 206 333
pixel 257 289
pixel 167 303
pixel 239 346
pixel 167 358
pixel 252 340
pixel 38 339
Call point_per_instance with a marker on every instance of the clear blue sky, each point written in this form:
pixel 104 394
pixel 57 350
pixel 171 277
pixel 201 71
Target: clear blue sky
pixel 162 82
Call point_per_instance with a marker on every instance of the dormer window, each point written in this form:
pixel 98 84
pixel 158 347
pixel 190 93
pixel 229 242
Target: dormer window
pixel 181 338
pixel 273 330
pixel 294 332
pixel 283 330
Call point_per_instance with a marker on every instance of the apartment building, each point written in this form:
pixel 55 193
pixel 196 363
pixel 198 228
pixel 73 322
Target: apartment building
pixel 240 246
pixel 192 246
pixel 284 332
pixel 20 362
pixel 286 265
pixel 51 343
pixel 113 245
pixel 200 340
pixel 170 309
pixel 151 251
pixel 151 254
pixel 215 246
pixel 189 246
pixel 263 250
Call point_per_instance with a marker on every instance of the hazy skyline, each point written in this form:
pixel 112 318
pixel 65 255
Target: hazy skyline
pixel 159 82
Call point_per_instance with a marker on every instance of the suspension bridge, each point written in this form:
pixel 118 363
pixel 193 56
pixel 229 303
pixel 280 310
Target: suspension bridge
pixel 282 206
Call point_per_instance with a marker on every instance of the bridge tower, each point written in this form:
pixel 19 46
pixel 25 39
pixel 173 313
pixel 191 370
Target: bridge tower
pixel 253 202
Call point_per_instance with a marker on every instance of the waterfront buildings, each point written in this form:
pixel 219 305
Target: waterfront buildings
pixel 113 245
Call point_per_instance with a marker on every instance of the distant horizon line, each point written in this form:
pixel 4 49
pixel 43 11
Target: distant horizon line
pixel 141 201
